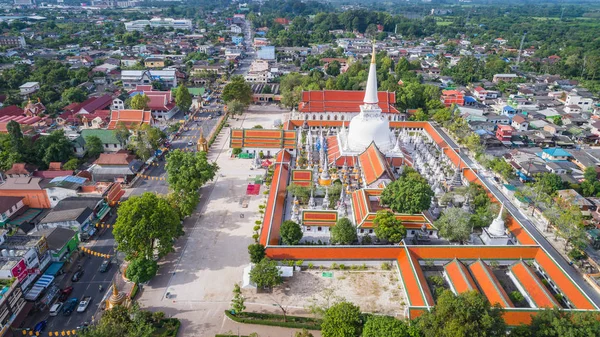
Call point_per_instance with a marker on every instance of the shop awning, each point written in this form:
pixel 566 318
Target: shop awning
pixel 54 268
pixel 39 286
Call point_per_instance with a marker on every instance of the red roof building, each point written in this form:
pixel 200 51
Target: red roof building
pixel 11 110
pixel 343 101
pixel 130 118
pixel 504 133
pixel 450 97
pixel 161 104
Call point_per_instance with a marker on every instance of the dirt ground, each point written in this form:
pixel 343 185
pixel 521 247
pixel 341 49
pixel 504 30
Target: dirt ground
pixel 373 290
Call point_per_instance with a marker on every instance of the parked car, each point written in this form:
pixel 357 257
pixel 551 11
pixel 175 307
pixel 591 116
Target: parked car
pixel 40 326
pixel 85 302
pixel 55 309
pixel 104 266
pixel 190 143
pixel 70 306
pixel 64 293
pixel 77 276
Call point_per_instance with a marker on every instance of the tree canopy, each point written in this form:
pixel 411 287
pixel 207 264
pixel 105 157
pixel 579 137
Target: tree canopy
pixel 388 228
pixel 342 319
pixel 139 102
pixel 466 315
pixel 256 252
pixel 237 89
pixel 291 233
pixel 265 274
pixel 344 232
pixel 559 323
pixel 409 194
pixel 93 146
pixel 455 224
pixel 183 98
pixel 141 270
pixel 151 215
pixel 386 326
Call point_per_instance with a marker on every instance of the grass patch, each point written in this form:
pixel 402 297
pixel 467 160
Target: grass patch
pixel 134 291
pixel 295 322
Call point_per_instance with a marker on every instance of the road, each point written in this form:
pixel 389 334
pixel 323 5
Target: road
pixel 244 66
pixel 87 286
pixel 528 225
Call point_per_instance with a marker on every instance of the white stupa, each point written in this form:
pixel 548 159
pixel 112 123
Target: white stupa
pixel 495 234
pixel 370 125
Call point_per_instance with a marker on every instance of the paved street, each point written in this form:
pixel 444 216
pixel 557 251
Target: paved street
pixel 87 286
pixel 529 226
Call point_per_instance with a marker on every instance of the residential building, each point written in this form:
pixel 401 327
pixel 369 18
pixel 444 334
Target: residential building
pixel 154 62
pixel 237 39
pixel 115 167
pixel 161 104
pixel 555 154
pixel 140 25
pixel 19 170
pixel 504 133
pixel 62 242
pixel 63 187
pixel 12 303
pixel 266 53
pixel 584 103
pixel 13 41
pixel 129 61
pixel 235 29
pixel 519 123
pixel 450 97
pixel 133 78
pixel 8 207
pixel 75 213
pixel 28 188
pixel 29 88
pixel 110 143
pixel 504 77
pixel 571 197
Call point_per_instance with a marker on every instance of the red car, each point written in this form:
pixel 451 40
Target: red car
pixel 64 294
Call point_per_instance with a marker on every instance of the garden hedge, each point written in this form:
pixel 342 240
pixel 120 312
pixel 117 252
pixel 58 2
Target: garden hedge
pixel 295 322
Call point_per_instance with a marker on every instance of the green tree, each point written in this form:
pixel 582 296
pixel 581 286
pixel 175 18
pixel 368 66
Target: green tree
pixel 183 99
pixel 469 314
pixel 385 326
pixel 139 102
pixel 455 224
pixel 236 107
pixel 387 227
pixel 123 321
pixel 237 302
pixel 343 319
pixel 300 191
pixel 333 69
pixel 122 133
pixel 291 233
pixel 410 193
pixel 238 89
pixel 590 187
pixel 266 274
pixel 303 333
pixel 55 147
pixel 93 146
pixel 186 173
pixel 141 270
pixel 16 136
pixel 548 183
pixel 74 94
pixel 559 323
pixel 71 164
pixel 256 252
pixel 155 218
pixel 344 232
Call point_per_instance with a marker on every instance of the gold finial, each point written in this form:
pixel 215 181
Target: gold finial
pixel 373 54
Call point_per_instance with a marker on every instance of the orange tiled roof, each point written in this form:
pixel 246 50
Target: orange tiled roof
pixel 460 278
pixel 343 101
pixel 276 200
pixel 302 177
pixel 533 285
pixel 114 159
pixel 263 138
pixel 489 285
pixel 129 118
pixel 319 217
pixel 373 164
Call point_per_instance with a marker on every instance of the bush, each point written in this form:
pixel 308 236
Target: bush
pixel 576 254
pixel 436 280
pixel 386 266
pixel 236 152
pixel 276 320
pixel 516 297
pixel 310 265
pixel 256 228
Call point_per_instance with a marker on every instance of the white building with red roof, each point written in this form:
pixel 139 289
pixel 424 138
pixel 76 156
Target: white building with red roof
pixel 162 103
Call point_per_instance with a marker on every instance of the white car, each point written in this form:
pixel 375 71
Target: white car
pixel 55 309
pixel 190 143
pixel 85 302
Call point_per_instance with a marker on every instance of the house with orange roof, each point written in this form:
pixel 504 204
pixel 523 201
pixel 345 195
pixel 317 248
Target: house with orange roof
pixel 131 118
pixel 118 167
pixel 450 97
